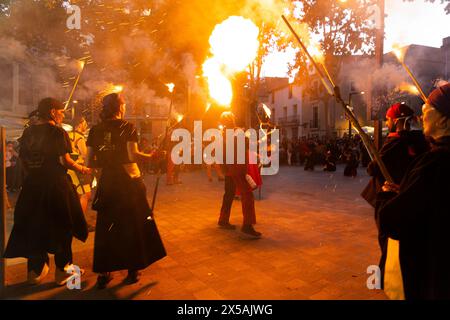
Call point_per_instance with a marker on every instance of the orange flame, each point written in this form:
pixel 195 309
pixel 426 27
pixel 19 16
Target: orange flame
pixel 267 111
pixel 220 88
pixel 234 45
pixel 179 117
pixel 208 106
pixel 117 89
pixel 399 52
pixel 94 183
pixel 406 87
pixel 315 50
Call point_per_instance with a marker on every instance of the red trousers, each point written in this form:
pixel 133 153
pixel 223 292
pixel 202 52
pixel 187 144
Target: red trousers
pixel 233 181
pixel 173 171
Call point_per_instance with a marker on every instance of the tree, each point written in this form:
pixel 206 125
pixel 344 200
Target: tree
pixel 447 7
pixel 343 29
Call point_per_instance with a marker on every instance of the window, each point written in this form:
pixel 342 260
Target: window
pixel 285 112
pixel 25 86
pixel 273 97
pixel 290 91
pixel 273 114
pixel 315 119
pixel 295 132
pixel 6 86
pixel 295 110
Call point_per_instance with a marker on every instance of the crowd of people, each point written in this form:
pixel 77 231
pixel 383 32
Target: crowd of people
pixel 326 153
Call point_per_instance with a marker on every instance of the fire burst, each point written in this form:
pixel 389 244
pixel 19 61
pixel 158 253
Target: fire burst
pixel 117 89
pixel 234 45
pixel 399 52
pixel 406 87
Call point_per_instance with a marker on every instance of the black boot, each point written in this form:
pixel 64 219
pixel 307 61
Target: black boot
pixel 133 276
pixel 103 279
pixel 250 231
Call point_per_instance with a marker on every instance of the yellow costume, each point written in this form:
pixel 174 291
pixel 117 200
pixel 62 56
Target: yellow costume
pixel 81 182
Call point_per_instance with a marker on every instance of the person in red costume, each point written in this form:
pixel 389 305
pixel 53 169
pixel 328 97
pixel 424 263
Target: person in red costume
pixel 236 178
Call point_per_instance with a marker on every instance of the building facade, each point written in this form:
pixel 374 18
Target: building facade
pixel 307 110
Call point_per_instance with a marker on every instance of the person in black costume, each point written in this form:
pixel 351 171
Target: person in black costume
pixel 48 212
pixel 330 162
pixel 126 234
pixel 401 147
pixel 351 156
pixel 417 212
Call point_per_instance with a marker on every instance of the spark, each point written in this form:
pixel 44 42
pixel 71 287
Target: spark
pixel 170 86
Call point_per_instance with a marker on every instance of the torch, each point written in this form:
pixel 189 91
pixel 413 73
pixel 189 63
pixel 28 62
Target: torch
pixel 81 64
pixel 337 94
pixel 400 56
pixel 171 88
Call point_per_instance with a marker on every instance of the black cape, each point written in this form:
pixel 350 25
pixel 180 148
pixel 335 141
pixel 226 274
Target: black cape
pixel 397 154
pixel 48 208
pixel 419 217
pixel 126 236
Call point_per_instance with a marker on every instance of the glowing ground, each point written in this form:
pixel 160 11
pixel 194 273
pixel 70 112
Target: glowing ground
pixel 319 237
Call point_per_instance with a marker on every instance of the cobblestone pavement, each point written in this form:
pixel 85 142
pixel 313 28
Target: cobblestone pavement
pixel 319 238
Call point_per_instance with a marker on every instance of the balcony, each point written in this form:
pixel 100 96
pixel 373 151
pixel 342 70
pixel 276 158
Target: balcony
pixel 291 121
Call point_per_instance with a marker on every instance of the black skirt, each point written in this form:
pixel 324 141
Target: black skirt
pixel 126 237
pixel 47 211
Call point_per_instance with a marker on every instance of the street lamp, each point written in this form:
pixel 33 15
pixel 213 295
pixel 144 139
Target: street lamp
pixel 353 93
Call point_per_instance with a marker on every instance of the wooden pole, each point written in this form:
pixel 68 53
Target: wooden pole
pixel 3 202
pixel 379 52
pixel 373 152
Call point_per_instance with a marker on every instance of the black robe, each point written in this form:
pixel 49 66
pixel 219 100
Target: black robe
pixel 126 235
pixel 397 154
pixel 48 208
pixel 419 217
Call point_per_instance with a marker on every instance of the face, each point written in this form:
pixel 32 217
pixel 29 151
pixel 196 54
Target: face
pixel 431 120
pixel 390 123
pixel 82 127
pixel 58 115
pixel 123 109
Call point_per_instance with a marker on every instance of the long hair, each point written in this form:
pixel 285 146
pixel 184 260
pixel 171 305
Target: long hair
pixel 111 106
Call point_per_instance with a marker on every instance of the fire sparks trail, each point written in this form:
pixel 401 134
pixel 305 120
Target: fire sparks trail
pixel 406 87
pixel 234 45
pixel 81 65
pixel 400 54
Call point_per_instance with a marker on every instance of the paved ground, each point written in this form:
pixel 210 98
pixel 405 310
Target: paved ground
pixel 319 237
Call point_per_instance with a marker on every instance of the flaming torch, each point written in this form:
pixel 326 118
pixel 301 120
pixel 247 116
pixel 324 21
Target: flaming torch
pixel 337 94
pixel 170 87
pixel 400 54
pixel 117 89
pixel 409 88
pixel 81 65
